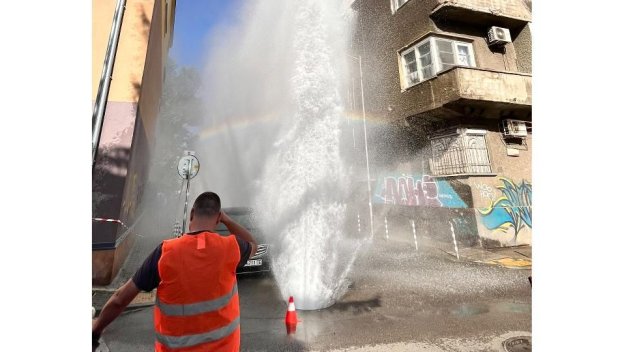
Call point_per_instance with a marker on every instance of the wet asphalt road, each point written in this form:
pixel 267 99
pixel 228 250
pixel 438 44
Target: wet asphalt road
pixel 398 300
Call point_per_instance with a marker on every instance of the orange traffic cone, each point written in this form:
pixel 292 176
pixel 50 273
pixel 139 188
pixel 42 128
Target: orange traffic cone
pixel 291 317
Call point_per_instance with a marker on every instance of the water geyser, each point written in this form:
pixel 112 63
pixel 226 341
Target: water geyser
pixel 304 183
pixel 273 134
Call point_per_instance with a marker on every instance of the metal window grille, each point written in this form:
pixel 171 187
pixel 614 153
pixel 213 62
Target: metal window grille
pixel 459 154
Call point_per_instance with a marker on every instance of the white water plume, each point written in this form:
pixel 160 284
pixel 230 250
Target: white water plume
pixel 275 81
pixel 305 181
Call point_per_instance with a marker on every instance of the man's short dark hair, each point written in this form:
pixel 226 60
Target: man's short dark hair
pixel 207 204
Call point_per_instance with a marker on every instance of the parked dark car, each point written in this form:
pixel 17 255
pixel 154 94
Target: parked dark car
pixel 245 217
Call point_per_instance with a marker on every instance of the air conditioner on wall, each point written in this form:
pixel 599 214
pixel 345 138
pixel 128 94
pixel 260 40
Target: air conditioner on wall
pixel 499 36
pixel 514 128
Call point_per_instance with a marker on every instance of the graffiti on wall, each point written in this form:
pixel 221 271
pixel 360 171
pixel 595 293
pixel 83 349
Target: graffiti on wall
pixel 416 190
pixel 486 191
pixel 513 209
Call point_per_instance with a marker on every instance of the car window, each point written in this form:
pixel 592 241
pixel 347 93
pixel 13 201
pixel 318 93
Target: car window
pixel 243 219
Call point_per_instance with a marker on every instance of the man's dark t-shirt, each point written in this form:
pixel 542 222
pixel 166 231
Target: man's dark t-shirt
pixel 147 277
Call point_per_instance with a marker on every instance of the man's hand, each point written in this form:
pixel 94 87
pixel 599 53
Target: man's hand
pixel 239 231
pixel 224 218
pixel 114 307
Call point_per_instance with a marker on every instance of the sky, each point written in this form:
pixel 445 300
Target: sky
pixel 194 21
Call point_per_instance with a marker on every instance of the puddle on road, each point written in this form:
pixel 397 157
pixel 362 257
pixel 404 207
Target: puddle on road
pixel 514 307
pixel 471 309
pixel 467 310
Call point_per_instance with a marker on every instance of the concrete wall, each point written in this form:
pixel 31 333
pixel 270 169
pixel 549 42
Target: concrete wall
pixel 106 263
pixel 508 8
pixel 522 42
pixel 513 181
pixel 113 161
pixel 153 75
pixel 131 52
pixel 404 189
pixel 403 192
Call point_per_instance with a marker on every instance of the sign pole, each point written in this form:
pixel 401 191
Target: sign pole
pixel 187 168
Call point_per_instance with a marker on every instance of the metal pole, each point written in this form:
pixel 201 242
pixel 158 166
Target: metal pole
pixel 106 76
pixel 366 147
pixel 186 196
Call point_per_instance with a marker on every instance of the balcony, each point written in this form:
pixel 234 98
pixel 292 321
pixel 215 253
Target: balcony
pixel 511 14
pixel 468 91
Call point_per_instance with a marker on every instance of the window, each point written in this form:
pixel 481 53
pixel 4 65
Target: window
pixel 460 153
pixel 396 4
pixel 433 56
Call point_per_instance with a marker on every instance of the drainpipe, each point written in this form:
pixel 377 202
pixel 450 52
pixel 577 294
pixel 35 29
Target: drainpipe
pixel 106 76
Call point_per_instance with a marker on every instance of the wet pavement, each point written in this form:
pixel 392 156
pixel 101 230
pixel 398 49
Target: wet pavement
pixel 399 299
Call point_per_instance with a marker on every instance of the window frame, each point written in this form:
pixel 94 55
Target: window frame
pixel 436 65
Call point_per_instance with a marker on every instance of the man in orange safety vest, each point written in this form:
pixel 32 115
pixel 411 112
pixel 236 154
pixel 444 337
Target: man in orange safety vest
pixel 197 304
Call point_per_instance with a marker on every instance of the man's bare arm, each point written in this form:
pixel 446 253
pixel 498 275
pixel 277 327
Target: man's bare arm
pixel 239 231
pixel 115 306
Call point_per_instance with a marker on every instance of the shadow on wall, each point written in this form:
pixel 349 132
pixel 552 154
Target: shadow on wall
pixel 109 181
pixel 146 23
pixel 462 28
pixel 137 89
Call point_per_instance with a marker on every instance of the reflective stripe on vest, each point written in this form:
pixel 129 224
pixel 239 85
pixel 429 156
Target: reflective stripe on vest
pixel 196 308
pixel 192 340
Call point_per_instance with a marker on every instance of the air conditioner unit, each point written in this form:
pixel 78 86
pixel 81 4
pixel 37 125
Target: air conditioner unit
pixel 499 36
pixel 513 128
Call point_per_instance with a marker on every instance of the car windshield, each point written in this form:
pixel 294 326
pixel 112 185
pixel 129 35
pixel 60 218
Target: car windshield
pixel 242 218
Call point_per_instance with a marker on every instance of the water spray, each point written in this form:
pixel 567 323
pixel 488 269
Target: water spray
pixel 359 60
pixel 127 229
pixel 387 233
pixel 188 168
pixel 456 248
pixel 415 238
pixel 303 174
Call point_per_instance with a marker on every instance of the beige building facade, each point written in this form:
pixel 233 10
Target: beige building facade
pixel 128 129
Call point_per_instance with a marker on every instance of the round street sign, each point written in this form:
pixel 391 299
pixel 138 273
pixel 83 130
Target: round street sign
pixel 188 166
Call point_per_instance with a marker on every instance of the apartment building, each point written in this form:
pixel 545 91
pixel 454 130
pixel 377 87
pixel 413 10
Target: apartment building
pixel 451 81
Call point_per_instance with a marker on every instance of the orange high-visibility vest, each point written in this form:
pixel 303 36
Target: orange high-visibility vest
pixel 197 305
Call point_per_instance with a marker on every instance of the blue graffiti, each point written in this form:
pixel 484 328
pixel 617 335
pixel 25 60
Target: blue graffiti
pixel 512 209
